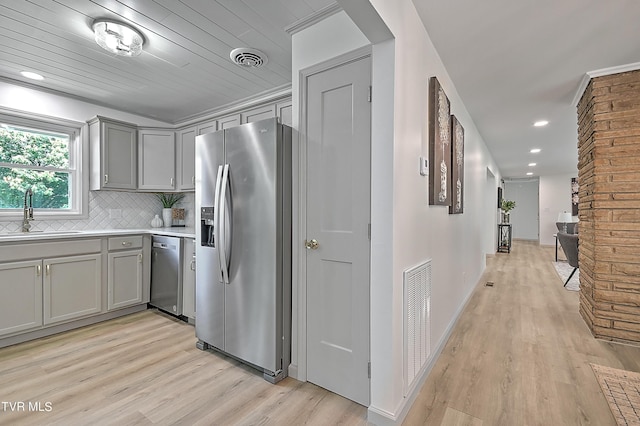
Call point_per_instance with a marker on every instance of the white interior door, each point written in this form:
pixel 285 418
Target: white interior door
pixel 338 216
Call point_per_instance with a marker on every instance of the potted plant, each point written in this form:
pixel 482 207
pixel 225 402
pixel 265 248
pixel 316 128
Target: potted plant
pixel 507 206
pixel 168 200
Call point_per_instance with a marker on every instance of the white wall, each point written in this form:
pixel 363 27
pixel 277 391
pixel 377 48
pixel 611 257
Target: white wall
pixel 524 218
pixel 405 229
pixel 555 197
pixel 34 101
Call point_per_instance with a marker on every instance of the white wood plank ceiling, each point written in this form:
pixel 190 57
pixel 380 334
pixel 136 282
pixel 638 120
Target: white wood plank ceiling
pixel 185 67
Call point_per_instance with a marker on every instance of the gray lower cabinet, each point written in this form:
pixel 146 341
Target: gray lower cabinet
pixel 72 287
pixel 52 284
pixel 20 296
pixel 124 279
pixel 125 271
pixel 189 278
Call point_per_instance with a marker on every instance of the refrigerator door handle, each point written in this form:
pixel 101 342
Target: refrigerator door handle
pixel 224 225
pixel 216 228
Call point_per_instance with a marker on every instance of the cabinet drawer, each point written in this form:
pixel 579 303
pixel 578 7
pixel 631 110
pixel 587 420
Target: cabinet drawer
pixel 125 242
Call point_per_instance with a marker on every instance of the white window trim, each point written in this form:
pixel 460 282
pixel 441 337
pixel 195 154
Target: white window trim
pixel 80 146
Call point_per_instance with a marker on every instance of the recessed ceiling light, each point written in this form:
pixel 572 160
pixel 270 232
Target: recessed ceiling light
pixel 530 174
pixel 31 75
pixel 532 164
pixel 535 150
pixel 541 123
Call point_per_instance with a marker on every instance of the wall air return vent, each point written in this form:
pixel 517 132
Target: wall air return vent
pixel 249 58
pixel 417 322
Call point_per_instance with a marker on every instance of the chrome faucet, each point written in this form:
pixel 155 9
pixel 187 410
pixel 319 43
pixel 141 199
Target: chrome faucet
pixel 28 210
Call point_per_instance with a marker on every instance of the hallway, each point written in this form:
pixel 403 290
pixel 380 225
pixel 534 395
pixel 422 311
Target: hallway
pixel 520 353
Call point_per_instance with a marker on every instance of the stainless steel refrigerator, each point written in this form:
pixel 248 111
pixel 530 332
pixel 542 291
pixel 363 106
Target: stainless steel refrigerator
pixel 243 244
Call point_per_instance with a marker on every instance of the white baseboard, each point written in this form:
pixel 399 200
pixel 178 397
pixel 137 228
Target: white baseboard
pixel 381 417
pixel 293 371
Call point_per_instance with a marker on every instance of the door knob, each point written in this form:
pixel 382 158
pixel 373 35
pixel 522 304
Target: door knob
pixel 311 244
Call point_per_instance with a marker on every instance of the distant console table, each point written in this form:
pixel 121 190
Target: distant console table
pixel 504 238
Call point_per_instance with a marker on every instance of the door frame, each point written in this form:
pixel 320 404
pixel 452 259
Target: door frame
pixel 300 232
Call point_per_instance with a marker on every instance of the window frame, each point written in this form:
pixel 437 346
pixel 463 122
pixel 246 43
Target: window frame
pixel 78 161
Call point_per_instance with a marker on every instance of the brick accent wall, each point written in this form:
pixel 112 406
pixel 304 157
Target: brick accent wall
pixel 609 207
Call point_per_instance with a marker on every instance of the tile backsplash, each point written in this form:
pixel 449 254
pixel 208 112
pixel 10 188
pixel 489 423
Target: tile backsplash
pixel 110 210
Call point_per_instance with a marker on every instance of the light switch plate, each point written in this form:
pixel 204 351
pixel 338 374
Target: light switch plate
pixel 424 166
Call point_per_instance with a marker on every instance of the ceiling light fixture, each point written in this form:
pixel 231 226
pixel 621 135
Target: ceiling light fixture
pixel 541 123
pixel 31 75
pixel 535 150
pixel 117 37
pixel 532 164
pixel 530 174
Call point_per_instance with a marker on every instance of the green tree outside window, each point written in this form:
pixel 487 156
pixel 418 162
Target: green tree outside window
pixel 36 160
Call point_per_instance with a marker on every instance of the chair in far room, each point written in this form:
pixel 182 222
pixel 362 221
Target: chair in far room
pixel 569 244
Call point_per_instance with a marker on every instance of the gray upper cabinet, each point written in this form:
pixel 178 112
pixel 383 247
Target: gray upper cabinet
pixel 207 127
pixel 257 114
pixel 285 111
pixel 156 160
pixel 186 159
pixel 229 121
pixel 113 154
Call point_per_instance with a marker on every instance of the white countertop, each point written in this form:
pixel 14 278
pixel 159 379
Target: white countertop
pixel 52 235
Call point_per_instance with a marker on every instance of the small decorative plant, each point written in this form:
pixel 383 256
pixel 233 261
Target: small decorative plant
pixel 170 199
pixel 508 205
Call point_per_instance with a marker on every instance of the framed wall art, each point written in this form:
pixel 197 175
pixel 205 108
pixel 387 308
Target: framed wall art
pixel 457 167
pixel 439 145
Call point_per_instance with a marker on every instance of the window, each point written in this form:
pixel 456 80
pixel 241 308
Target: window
pixel 43 155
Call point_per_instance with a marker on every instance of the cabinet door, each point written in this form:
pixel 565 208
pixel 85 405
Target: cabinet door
pixel 124 279
pixel 72 287
pixel 187 159
pixel 229 121
pixel 118 156
pixel 157 159
pixel 20 296
pixel 284 111
pixel 207 127
pixel 189 279
pixel 259 113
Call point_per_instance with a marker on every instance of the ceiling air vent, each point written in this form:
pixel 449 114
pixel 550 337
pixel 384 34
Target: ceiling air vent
pixel 247 57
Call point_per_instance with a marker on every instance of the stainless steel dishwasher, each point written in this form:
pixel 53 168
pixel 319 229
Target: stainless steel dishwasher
pixel 166 274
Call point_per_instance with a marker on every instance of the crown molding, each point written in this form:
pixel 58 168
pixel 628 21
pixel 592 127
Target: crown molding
pixel 313 19
pixel 599 73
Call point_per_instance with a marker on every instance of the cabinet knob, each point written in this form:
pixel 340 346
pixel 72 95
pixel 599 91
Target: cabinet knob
pixel 126 243
pixel 106 179
pixel 38 270
pixel 171 179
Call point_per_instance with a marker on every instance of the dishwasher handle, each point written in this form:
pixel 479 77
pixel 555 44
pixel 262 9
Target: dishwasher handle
pixel 164 246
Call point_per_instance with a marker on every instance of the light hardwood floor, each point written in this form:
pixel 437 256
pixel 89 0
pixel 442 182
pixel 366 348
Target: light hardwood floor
pixel 145 369
pixel 519 355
